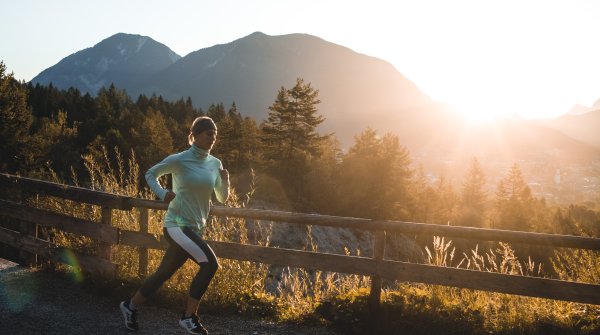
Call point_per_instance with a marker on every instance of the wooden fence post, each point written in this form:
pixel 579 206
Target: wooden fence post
pixel 378 250
pixel 31 229
pixel 143 251
pixel 105 249
pixel 375 294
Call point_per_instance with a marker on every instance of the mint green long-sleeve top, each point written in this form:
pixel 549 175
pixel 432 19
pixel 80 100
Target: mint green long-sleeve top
pixel 195 175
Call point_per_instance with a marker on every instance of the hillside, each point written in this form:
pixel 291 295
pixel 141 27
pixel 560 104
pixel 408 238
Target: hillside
pixel 122 59
pixel 356 90
pixel 583 127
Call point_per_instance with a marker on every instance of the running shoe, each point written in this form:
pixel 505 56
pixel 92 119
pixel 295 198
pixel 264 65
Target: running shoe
pixel 129 315
pixel 192 325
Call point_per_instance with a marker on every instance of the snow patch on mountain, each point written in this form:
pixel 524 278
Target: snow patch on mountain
pixel 215 62
pixel 141 41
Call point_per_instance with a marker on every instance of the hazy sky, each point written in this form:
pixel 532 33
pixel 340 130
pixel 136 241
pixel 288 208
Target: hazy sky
pixel 529 57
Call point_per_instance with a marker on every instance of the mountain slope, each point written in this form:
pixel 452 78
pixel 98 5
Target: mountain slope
pixel 356 90
pixel 583 127
pixel 122 59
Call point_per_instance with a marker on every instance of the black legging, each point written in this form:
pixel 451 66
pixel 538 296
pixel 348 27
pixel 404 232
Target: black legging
pixel 183 244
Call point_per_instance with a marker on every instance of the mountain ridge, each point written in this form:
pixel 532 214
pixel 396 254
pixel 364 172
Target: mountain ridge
pixel 582 127
pixel 356 90
pixel 123 59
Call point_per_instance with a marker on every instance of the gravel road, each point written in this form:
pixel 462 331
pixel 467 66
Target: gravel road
pixel 39 302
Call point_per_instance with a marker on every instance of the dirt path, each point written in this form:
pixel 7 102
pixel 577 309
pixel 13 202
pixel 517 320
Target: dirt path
pixel 38 302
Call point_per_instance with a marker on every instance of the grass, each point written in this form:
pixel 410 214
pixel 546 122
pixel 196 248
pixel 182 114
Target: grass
pixel 337 299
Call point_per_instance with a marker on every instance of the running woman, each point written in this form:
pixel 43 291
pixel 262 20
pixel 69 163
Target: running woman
pixel 195 175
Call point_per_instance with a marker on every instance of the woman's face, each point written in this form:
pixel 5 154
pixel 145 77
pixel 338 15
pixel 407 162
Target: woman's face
pixel 206 139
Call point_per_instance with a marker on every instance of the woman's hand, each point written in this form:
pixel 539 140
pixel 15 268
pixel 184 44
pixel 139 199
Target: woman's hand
pixel 169 196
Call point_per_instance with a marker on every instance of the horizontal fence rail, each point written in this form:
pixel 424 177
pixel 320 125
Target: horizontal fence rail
pixel 471 233
pixel 376 267
pixel 30 244
pixel 74 193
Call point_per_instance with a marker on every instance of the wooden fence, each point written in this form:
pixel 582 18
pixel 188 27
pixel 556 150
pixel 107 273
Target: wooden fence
pixel 376 266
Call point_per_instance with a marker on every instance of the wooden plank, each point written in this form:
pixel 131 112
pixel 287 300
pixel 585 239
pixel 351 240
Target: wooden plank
pixel 143 251
pixel 294 258
pixel 486 234
pixel 105 249
pixel 66 223
pixel 146 240
pixel 29 229
pixel 78 194
pixel 493 282
pixel 10 237
pixel 268 255
pixel 89 263
pixel 413 228
pixel 147 203
pixel 93 264
pixel 378 251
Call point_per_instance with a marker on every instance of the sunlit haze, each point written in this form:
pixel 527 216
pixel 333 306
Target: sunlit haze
pixel 535 59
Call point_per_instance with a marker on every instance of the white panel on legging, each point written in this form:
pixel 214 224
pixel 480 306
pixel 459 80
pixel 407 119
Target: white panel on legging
pixel 187 244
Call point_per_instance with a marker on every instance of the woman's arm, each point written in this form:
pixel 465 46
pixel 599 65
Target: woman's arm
pixel 222 185
pixel 166 166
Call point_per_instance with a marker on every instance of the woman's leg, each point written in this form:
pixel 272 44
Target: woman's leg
pixel 173 259
pixel 201 281
pixel 202 254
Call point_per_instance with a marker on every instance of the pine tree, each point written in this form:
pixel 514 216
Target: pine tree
pixel 55 142
pixel 154 141
pixel 422 195
pixel 290 135
pixel 15 121
pixel 514 202
pixel 217 112
pixel 374 178
pixel 290 128
pixel 474 196
pixel 446 202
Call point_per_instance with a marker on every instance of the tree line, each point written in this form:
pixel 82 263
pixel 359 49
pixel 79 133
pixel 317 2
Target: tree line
pixel 296 167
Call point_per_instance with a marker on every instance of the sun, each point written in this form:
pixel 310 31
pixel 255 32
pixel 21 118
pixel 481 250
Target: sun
pixel 478 114
pixel 484 105
pixel 480 117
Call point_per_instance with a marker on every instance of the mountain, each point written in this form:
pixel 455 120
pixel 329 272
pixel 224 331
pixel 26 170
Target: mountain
pixel 578 110
pixel 122 59
pixel 583 127
pixel 356 90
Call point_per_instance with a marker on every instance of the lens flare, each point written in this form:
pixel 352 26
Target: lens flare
pixel 68 257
